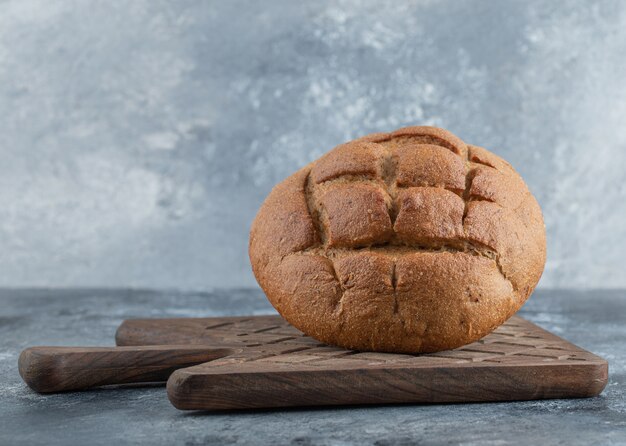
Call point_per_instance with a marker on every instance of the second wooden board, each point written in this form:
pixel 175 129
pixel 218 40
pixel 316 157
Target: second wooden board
pixel 272 364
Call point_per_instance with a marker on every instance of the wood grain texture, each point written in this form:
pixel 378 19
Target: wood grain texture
pixel 59 369
pixel 275 365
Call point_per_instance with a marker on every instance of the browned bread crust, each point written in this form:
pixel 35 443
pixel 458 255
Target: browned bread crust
pixel 410 241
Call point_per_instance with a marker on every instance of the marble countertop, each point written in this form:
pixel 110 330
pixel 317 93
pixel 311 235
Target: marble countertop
pixel 594 320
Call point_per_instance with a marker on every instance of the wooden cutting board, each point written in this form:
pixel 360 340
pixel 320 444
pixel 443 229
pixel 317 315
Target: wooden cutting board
pixel 268 363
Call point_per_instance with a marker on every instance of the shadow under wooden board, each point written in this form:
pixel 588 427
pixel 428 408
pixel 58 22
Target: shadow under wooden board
pixel 262 361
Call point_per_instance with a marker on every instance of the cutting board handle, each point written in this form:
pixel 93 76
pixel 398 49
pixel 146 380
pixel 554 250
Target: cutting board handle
pixel 60 369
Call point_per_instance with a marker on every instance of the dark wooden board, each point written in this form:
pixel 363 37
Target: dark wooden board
pixel 271 364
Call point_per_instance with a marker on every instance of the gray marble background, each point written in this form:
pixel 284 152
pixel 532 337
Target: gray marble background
pixel 138 138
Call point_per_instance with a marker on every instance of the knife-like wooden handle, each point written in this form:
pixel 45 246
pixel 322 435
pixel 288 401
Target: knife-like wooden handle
pixel 59 369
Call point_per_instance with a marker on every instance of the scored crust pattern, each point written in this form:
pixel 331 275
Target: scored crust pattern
pixel 410 241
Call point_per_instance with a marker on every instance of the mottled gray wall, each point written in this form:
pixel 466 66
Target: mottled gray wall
pixel 138 138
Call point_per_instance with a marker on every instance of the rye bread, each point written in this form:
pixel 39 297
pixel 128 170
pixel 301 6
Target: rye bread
pixel 410 241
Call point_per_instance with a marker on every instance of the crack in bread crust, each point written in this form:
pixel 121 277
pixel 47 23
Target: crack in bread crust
pixel 387 188
pixel 314 212
pixel 395 250
pixel 463 246
pixel 389 176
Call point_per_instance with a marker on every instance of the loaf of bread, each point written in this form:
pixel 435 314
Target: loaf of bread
pixel 410 241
